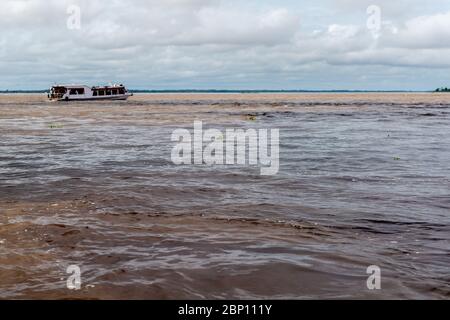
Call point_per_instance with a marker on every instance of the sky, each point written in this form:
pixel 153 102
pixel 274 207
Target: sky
pixel 214 44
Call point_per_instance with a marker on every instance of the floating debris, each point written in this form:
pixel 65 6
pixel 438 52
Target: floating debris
pixel 55 126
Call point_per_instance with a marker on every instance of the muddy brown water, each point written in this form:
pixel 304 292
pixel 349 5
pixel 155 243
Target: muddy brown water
pixel 364 180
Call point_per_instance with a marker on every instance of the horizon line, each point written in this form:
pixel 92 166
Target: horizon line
pixel 239 91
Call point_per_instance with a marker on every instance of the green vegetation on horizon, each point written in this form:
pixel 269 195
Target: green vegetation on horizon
pixel 442 89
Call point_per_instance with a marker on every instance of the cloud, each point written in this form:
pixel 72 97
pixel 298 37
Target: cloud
pixel 229 44
pixel 424 32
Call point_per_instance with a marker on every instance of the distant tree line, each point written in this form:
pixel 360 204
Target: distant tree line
pixel 443 89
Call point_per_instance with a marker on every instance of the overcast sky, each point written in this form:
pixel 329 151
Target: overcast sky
pixel 202 44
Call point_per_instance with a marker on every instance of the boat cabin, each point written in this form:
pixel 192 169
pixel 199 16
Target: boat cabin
pixel 82 92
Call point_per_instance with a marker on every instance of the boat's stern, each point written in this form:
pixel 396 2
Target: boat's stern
pixel 57 93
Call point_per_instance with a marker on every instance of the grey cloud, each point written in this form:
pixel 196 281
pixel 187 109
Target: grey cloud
pixel 200 43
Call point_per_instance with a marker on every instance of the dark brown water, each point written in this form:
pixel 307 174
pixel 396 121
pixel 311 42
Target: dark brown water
pixel 364 180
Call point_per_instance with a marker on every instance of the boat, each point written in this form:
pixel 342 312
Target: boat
pixel 82 92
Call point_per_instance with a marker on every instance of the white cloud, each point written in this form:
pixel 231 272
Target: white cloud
pixel 425 32
pixel 201 43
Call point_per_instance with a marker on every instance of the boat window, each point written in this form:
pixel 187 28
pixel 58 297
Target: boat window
pixel 59 90
pixel 77 91
pixel 121 91
pixel 108 92
pixel 95 92
pixel 114 92
pixel 101 93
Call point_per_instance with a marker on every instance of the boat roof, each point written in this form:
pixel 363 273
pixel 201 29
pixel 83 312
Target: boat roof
pixel 109 87
pixel 71 86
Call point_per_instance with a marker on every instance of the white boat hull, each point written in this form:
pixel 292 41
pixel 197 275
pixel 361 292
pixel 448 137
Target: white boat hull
pixel 121 97
pixel 85 93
